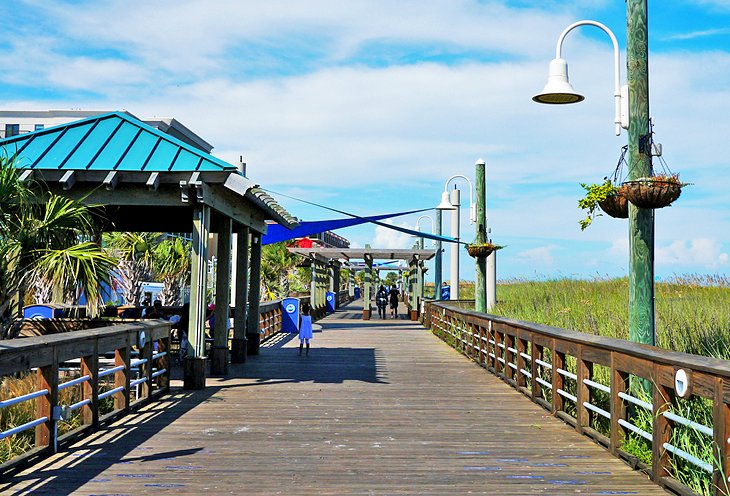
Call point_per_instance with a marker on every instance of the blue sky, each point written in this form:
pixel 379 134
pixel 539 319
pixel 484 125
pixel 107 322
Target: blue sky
pixel 369 106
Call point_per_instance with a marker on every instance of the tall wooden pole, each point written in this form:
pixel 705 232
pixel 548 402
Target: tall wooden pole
pixel 253 332
pixel 238 343
pixel 219 351
pixel 641 221
pixel 480 286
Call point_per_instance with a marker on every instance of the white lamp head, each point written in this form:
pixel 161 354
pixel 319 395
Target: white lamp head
pixel 445 202
pixel 558 89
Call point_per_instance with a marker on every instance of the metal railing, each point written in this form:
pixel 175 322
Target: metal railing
pixel 559 369
pixel 103 360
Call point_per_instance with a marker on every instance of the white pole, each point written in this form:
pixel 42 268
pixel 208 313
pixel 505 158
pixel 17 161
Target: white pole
pixel 491 280
pixel 455 219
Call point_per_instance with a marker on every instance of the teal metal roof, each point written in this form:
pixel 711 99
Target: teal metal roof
pixel 108 142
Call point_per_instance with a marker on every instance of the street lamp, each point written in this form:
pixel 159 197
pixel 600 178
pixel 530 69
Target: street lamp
pixel 418 228
pixel 642 326
pixel 558 90
pixel 454 199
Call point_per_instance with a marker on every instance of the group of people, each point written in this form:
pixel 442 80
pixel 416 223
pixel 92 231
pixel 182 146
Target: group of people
pixel 384 297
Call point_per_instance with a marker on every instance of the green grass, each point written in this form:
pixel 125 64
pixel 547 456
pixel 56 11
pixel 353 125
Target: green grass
pixel 691 316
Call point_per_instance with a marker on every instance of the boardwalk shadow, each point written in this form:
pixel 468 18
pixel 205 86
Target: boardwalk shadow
pixel 116 444
pixel 322 365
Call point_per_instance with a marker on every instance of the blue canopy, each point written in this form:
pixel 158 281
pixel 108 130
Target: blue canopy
pixel 277 233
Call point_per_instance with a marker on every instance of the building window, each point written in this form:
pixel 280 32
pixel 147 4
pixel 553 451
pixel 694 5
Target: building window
pixel 38 127
pixel 12 130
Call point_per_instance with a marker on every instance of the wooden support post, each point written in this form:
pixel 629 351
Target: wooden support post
pixel 367 290
pixel 145 369
pixel 254 296
pixel 163 380
pixel 498 367
pixel 619 384
pixel 521 362
pixel 90 388
pixel 721 431
pixel 47 378
pixel 663 398
pixel 219 351
pixel 536 354
pixel 509 372
pixel 194 368
pixel 558 379
pixel 122 378
pixel 584 370
pixel 238 343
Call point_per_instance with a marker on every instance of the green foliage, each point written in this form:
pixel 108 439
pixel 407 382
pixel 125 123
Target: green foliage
pixel 595 193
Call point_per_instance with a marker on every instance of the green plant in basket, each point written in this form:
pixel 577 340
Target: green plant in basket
pixel 482 249
pixel 595 194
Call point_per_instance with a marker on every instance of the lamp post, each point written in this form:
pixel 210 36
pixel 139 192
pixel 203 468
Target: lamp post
pixel 438 276
pixel 421 282
pixel 636 95
pixel 454 198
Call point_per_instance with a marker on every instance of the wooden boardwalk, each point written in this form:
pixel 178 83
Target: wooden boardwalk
pixel 378 407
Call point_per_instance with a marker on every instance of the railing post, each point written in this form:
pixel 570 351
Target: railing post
pixel 536 355
pixel 47 378
pixel 619 384
pixel 122 377
pixel 482 358
pixel 558 381
pixel 509 372
pixel 721 430
pixel 584 370
pixel 497 351
pixel 90 388
pixel 521 362
pixel 663 398
pixel 163 345
pixel 146 369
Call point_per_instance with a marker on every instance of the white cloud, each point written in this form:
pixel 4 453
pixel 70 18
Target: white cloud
pixel 390 238
pixel 541 258
pixel 704 252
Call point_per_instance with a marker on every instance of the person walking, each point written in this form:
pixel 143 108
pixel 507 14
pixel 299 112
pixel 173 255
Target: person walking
pixel 393 297
pixel 381 300
pixel 305 328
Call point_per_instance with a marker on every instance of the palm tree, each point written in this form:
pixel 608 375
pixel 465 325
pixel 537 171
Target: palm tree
pixel 172 265
pixel 278 267
pixel 135 255
pixel 44 241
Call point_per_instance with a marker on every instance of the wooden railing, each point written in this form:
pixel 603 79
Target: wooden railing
pixel 603 387
pixel 87 377
pixel 269 318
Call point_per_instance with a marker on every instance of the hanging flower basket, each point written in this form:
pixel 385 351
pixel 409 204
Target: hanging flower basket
pixel 482 249
pixel 653 192
pixel 616 205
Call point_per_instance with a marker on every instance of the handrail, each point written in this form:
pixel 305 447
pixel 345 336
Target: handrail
pixel 40 359
pixel 555 368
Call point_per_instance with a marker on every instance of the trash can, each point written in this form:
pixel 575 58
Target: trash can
pixel 331 299
pixel 49 311
pixel 357 292
pixel 445 292
pixel 290 315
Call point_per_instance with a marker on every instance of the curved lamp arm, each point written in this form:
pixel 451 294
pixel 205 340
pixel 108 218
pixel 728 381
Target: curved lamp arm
pixel 558 89
pixel 472 216
pixel 616 64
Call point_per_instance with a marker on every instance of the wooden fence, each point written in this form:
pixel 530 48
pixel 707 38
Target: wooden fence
pixel 602 386
pixel 91 377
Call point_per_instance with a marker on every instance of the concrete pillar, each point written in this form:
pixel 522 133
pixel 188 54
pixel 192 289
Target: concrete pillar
pixel 351 283
pixel 455 247
pixel 438 269
pixel 238 343
pixel 219 351
pixel 194 368
pixel 254 297
pixel 491 280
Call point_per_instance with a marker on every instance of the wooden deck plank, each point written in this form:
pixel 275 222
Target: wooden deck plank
pixel 379 407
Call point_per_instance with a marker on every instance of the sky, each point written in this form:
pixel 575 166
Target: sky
pixel 370 106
